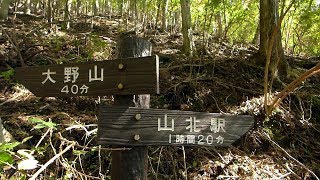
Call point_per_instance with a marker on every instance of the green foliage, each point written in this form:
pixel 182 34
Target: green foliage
pixel 6 152
pixel 309 42
pixel 42 124
pixel 79 152
pixel 239 18
pixel 97 48
pixel 5 158
pixel 7 74
pixel 8 146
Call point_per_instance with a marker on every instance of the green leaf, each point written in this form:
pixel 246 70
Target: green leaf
pixel 7 74
pixel 36 120
pixel 9 146
pixel 42 124
pixel 194 163
pixel 79 152
pixel 26 139
pixel 50 124
pixel 39 126
pixel 5 158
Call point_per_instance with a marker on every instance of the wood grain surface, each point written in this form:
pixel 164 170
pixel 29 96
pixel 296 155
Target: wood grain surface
pixel 120 77
pixel 119 126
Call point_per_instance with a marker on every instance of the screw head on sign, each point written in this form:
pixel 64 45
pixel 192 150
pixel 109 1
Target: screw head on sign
pixel 136 137
pixel 137 116
pixel 120 66
pixel 120 86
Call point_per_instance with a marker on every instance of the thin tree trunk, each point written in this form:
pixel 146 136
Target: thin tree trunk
pixel 27 7
pixel 288 32
pixel 35 6
pixel 49 12
pixel 144 15
pixel 134 12
pixel 120 7
pixel 79 4
pixel 95 6
pixel 66 24
pixel 4 9
pixel 165 4
pixel 55 11
pixel 204 44
pixel 186 27
pixel 16 4
pixel 225 18
pixel 158 13
pixel 268 21
pixel 219 23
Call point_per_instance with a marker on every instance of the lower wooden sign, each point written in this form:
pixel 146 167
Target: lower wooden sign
pixel 140 127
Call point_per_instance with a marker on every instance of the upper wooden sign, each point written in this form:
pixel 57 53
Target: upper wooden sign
pixel 95 78
pixel 140 127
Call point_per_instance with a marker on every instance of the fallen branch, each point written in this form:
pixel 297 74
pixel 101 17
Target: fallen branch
pixel 35 175
pixel 16 95
pixel 288 155
pixel 91 148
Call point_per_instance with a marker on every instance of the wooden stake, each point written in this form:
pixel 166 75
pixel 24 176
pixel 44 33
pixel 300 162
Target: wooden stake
pixel 131 164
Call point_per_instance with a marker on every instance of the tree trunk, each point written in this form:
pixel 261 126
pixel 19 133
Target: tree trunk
pixel 109 9
pixel 120 7
pixel 204 29
pixel 134 12
pixel 219 23
pixel 66 24
pixel 37 6
pixel 54 9
pixel 158 14
pixel 131 164
pixel 164 8
pixel 4 9
pixel 186 27
pixel 176 22
pixel 95 6
pixel 79 4
pixel 49 12
pixel 27 4
pixel 269 17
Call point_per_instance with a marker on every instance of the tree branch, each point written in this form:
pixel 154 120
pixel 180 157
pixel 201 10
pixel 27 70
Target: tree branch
pixel 35 175
pixel 285 92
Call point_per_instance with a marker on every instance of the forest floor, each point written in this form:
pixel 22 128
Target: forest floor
pixel 220 78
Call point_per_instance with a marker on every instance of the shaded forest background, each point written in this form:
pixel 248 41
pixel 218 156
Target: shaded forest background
pixel 238 56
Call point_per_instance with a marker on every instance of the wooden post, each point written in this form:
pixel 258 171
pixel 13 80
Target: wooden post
pixel 131 164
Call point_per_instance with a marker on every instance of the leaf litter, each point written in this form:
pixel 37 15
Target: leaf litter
pixel 223 78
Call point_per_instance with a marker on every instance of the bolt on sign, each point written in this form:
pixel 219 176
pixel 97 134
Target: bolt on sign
pixel 95 78
pixel 140 127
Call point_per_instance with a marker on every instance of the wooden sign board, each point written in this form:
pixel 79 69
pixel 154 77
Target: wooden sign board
pixel 141 127
pixel 95 78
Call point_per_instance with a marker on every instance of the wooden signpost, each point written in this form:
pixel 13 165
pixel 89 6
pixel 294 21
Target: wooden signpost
pixel 125 125
pixel 141 127
pixel 95 78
